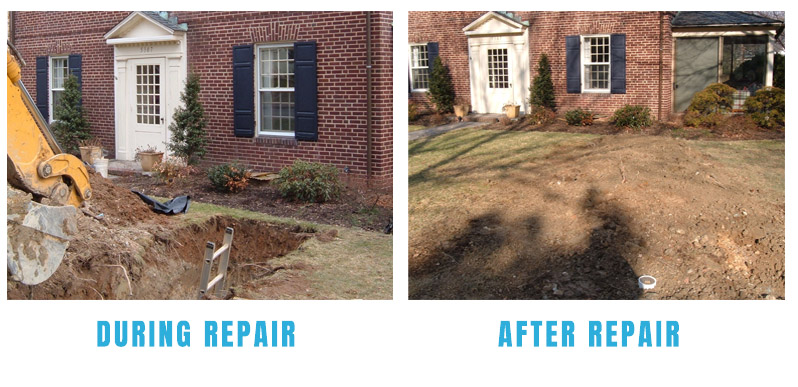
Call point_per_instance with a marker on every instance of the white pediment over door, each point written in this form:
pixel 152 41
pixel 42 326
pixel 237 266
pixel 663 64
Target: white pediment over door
pixel 493 23
pixel 142 27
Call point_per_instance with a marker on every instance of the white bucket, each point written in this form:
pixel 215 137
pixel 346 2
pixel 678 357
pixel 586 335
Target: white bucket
pixel 101 166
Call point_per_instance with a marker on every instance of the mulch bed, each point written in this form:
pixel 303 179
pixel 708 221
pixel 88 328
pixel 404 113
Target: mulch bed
pixel 370 209
pixel 736 127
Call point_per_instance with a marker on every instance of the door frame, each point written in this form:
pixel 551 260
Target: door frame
pixel 493 29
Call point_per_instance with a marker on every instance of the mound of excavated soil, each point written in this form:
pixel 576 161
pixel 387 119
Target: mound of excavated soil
pixel 118 204
pixel 586 221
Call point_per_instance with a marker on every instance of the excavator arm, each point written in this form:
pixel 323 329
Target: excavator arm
pixel 38 234
pixel 37 168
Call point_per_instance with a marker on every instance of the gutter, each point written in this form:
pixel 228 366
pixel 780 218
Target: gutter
pixel 368 97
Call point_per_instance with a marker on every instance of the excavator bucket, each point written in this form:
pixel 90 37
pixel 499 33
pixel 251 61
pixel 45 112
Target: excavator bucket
pixel 38 234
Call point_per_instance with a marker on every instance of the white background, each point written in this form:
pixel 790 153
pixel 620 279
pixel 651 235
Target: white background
pixel 403 342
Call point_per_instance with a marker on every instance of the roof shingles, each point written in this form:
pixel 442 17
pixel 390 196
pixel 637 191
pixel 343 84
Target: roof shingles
pixel 721 18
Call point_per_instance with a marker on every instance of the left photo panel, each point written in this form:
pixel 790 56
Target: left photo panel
pixel 200 155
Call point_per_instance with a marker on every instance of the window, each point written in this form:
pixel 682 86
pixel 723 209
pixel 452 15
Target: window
pixel 498 72
pixel 419 67
pixel 148 94
pixel 596 59
pixel 275 85
pixel 59 71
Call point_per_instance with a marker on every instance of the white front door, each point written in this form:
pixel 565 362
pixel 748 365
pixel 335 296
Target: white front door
pixel 146 118
pixel 497 80
pixel 498 76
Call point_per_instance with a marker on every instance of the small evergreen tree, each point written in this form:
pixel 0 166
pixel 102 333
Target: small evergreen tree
pixel 188 124
pixel 70 126
pixel 441 89
pixel 542 91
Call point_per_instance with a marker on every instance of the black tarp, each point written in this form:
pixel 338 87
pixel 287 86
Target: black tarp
pixel 178 205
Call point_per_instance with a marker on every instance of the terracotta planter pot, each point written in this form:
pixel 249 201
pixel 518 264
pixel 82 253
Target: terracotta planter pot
pixel 91 153
pixel 461 110
pixel 512 111
pixel 149 159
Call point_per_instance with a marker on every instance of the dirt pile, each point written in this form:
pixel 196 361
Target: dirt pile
pixel 585 221
pixel 118 204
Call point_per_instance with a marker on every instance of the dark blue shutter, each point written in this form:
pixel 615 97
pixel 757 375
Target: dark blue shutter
pixel 573 61
pixel 432 53
pixel 306 112
pixel 75 64
pixel 243 92
pixel 42 86
pixel 618 64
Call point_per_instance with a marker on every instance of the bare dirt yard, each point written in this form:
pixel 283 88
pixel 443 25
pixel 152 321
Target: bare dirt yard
pixel 134 253
pixel 518 214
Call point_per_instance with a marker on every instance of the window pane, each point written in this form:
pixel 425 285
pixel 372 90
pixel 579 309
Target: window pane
pixel 498 70
pixel 276 72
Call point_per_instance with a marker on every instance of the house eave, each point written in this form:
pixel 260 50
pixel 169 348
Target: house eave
pixel 110 34
pixel 491 14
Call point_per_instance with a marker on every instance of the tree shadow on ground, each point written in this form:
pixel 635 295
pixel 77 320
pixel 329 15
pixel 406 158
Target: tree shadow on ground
pixel 496 259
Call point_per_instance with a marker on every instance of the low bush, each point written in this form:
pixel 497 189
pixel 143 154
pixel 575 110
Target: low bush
pixel 172 168
pixel 766 107
pixel 412 111
pixel 708 106
pixel 579 117
pixel 632 116
pixel 309 182
pixel 506 121
pixel 540 115
pixel 231 177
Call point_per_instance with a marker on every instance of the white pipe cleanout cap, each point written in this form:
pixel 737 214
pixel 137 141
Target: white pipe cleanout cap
pixel 646 282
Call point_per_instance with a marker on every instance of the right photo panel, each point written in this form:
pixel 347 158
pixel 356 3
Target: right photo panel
pixel 596 155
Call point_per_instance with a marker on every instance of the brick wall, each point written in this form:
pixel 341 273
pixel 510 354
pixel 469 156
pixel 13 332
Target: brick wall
pixel 547 32
pixel 341 56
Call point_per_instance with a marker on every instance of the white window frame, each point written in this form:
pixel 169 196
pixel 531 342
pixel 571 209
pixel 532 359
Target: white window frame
pixel 411 67
pixel 258 89
pixel 585 52
pixel 50 87
pixel 499 79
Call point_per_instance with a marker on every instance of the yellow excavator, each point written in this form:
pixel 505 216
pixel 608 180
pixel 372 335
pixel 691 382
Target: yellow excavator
pixel 45 187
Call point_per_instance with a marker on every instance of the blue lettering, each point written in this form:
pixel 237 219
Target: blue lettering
pixel 567 333
pixel 551 333
pixel 288 333
pixel 226 333
pixel 260 334
pixel 103 333
pixel 120 341
pixel 672 328
pixel 611 333
pixel 138 333
pixel 520 331
pixel 627 330
pixel 505 336
pixel 243 330
pixel 645 334
pixel 183 334
pixel 165 336
pixel 536 325
pixel 595 333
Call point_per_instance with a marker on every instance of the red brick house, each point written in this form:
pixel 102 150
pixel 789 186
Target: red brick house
pixel 599 60
pixel 276 86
